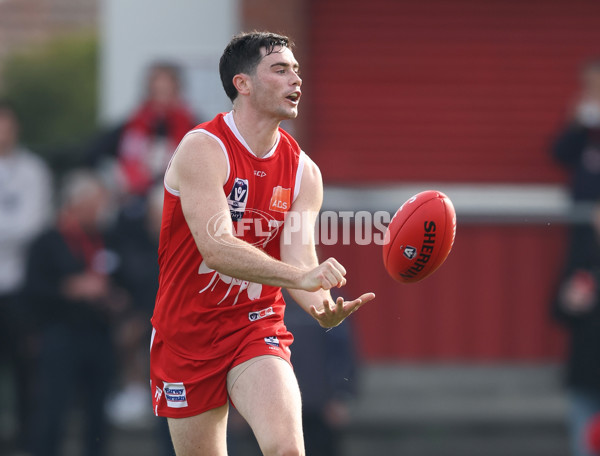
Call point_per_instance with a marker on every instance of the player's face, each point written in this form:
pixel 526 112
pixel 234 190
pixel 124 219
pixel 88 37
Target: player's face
pixel 276 85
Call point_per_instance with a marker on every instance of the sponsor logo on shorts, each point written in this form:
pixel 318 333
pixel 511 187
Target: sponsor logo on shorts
pixel 253 316
pixel 410 252
pixel 175 394
pixel 272 341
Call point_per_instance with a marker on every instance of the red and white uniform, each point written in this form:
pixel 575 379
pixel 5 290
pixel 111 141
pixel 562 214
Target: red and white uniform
pixel 206 318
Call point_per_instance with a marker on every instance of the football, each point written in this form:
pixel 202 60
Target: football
pixel 419 237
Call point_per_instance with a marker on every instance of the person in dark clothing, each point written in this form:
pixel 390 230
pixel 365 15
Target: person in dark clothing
pixel 325 365
pixel 577 306
pixel 577 147
pixel 25 202
pixel 73 299
pixel 135 241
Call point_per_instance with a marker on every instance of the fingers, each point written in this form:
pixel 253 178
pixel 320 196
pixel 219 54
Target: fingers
pixel 329 279
pixel 367 297
pixel 337 264
pixel 333 315
pixel 332 274
pixel 353 306
pixel 314 313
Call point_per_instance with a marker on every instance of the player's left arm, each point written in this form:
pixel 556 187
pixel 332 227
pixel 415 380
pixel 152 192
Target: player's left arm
pixel 298 249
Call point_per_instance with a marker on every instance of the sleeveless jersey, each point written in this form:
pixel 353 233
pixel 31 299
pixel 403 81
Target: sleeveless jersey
pixel 203 314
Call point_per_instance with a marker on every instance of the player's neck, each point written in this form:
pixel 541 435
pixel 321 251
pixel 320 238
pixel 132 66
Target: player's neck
pixel 259 132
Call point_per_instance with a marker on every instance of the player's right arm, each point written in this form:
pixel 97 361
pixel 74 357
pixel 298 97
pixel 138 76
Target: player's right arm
pixel 198 171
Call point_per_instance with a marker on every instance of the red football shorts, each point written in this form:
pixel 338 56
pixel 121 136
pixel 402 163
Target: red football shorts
pixel 183 387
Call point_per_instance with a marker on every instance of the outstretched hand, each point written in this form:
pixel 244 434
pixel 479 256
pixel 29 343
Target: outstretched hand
pixel 332 315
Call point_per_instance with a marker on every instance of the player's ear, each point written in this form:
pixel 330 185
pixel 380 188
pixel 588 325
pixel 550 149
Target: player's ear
pixel 242 83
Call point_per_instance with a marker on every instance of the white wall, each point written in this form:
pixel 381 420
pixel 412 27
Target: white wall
pixel 192 33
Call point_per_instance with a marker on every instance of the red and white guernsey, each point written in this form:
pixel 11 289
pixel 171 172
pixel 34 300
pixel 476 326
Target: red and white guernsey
pixel 200 313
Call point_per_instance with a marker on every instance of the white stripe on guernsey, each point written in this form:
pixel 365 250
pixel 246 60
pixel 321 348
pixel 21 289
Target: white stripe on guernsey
pixel 222 148
pixel 152 338
pixel 231 124
pixel 299 171
pixel 176 192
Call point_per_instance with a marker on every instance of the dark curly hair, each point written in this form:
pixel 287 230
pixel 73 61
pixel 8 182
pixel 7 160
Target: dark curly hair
pixel 242 55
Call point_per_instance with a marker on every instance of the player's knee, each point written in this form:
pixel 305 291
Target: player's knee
pixel 285 448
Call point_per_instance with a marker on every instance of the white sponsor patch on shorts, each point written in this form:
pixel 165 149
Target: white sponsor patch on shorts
pixel 175 395
pixel 253 316
pixel 272 341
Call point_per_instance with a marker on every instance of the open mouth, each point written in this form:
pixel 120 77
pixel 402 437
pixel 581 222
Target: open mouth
pixel 294 97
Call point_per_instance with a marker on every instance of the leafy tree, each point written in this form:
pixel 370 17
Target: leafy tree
pixel 54 89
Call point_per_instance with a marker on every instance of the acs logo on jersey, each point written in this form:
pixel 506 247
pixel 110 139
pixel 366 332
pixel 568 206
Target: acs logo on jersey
pixel 281 199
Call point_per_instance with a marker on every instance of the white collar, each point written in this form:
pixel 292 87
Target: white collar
pixel 231 124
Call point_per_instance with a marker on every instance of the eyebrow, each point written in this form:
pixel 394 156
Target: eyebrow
pixel 284 64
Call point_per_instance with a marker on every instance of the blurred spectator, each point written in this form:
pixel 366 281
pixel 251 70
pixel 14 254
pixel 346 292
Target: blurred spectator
pixel 25 208
pixel 140 149
pixel 136 244
pixel 577 304
pixel 137 248
pixel 74 300
pixel 325 366
pixel 578 145
pixel 143 144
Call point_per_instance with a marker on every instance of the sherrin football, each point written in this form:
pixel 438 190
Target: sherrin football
pixel 419 237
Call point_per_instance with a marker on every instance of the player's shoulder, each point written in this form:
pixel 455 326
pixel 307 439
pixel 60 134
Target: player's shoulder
pixel 310 193
pixel 197 158
pixel 199 146
pixel 310 169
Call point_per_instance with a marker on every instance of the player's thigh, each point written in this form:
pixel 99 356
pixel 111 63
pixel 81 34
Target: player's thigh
pixel 200 435
pixel 265 392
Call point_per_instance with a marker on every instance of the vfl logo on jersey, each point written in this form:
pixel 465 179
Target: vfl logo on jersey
pixel 272 341
pixel 253 316
pixel 281 199
pixel 410 252
pixel 175 395
pixel 237 198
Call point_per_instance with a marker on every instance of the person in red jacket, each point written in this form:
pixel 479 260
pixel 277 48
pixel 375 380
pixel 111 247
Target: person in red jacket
pixel 143 143
pixel 241 200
